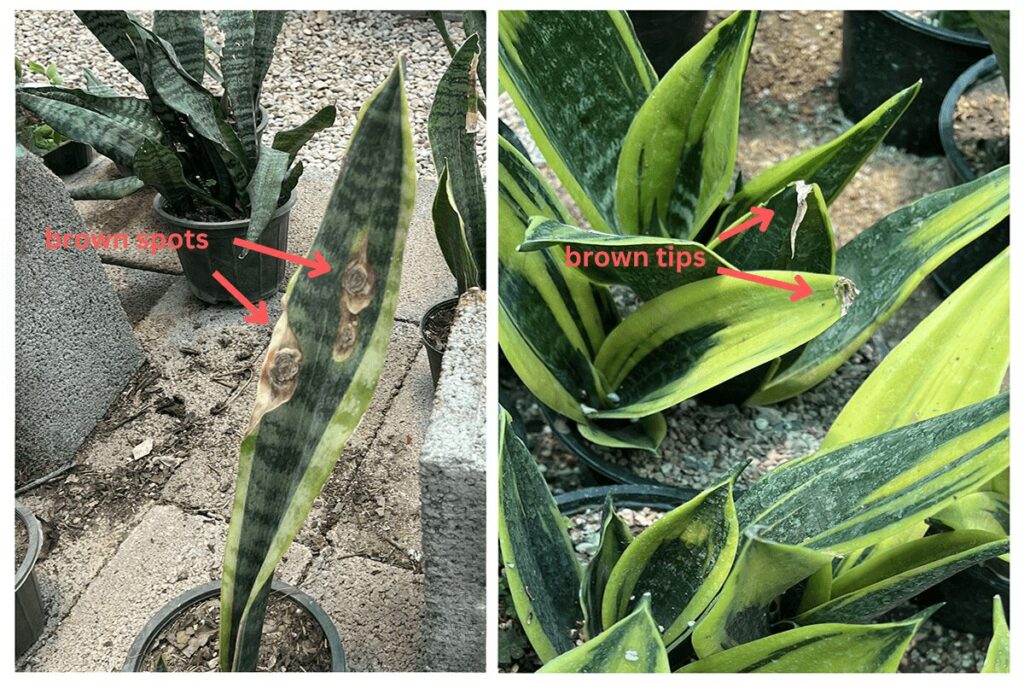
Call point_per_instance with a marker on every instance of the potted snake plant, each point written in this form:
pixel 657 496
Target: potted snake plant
pixel 459 208
pixel 201 152
pixel 62 156
pixel 322 365
pixel 655 180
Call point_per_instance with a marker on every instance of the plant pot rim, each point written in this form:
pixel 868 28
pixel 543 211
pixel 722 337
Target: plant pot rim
pixel 439 306
pixel 35 544
pixel 166 614
pixel 656 497
pixel 213 226
pixel 982 71
pixel 934 31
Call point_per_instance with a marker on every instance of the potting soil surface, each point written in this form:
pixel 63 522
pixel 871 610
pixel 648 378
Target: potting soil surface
pixel 292 640
pixel 981 126
pixel 438 327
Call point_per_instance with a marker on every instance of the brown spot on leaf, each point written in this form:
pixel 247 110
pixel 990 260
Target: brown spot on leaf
pixel 279 376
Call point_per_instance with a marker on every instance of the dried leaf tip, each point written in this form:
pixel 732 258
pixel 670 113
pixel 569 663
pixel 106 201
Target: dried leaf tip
pixel 845 292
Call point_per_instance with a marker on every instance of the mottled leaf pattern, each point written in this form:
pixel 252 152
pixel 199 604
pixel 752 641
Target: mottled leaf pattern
pixel 615 538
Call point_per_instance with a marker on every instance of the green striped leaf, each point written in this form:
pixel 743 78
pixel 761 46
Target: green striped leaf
pixel 184 31
pixel 983 510
pixel 540 565
pixel 856 495
pixel 763 571
pixel 997 658
pixel 116 30
pixel 266 28
pixel 577 79
pixel 697 336
pixel 632 645
pixel 237 67
pixel 451 128
pixel 830 166
pixel 956 356
pixel 800 235
pixel 108 189
pixel 888 579
pixel 824 648
pixel 264 190
pixel 158 167
pixel 294 139
pixel 451 235
pixel 888 261
pixel 678 156
pixel 551 321
pixel 680 561
pixel 647 264
pixel 322 364
pixel 475 22
pixel 645 433
pixel 615 538
pixel 94 86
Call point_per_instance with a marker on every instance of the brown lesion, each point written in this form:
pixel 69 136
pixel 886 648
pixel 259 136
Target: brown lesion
pixel 357 287
pixel 279 376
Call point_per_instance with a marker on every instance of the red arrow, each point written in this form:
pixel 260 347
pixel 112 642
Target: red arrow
pixel 800 288
pixel 317 265
pixel 257 313
pixel 762 215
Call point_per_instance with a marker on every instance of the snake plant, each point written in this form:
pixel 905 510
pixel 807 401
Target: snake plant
pixel 199 150
pixel 322 365
pixel 649 164
pixel 907 490
pixel 459 209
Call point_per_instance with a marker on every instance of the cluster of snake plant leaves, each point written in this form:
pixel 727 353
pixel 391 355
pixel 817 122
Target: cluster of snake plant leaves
pixel 322 365
pixel 800 572
pixel 649 165
pixel 459 209
pixel 198 149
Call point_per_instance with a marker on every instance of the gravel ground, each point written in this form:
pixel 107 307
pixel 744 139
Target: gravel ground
pixel 321 58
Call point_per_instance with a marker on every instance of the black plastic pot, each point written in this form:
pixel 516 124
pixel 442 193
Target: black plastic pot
pixel 29 616
pixel 256 275
pixel 966 262
pixel 632 496
pixel 886 51
pixel 68 157
pixel 667 35
pixel 968 597
pixel 169 612
pixel 435 354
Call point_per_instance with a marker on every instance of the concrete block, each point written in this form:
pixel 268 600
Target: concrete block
pixel 453 468
pixel 375 606
pixel 138 290
pixel 74 347
pixel 168 553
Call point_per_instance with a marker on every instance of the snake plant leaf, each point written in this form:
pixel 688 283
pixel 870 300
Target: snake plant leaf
pixel 983 510
pixel 475 21
pixel 451 127
pixel 294 139
pixel 540 564
pixel 697 336
pixel 888 579
pixel 858 494
pixel 830 166
pixel 506 133
pixel 800 235
pixel 577 79
pixel 118 188
pixel 94 86
pixel 264 190
pixel 114 29
pixel 615 538
pixel 764 570
pixel 237 66
pixel 442 28
pixel 645 433
pixel 184 31
pixel 157 166
pixel 649 265
pixel 551 321
pixel 266 28
pixel 451 235
pixel 822 648
pixel 632 645
pixel 322 364
pixel 115 127
pixel 997 658
pixel 678 156
pixel 995 26
pixel 292 179
pixel 888 261
pixel 681 561
pixel 956 356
